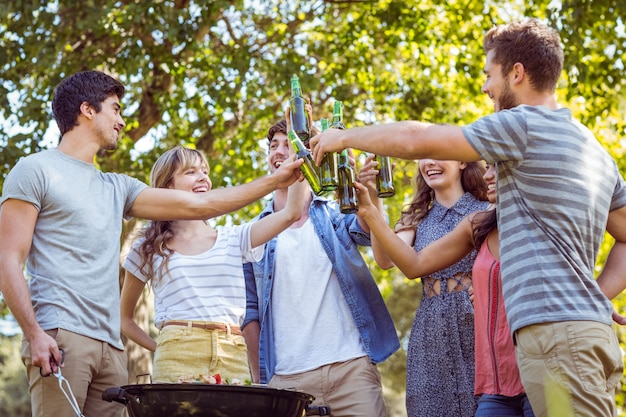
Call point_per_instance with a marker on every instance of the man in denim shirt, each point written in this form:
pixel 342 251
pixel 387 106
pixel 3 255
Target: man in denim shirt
pixel 315 319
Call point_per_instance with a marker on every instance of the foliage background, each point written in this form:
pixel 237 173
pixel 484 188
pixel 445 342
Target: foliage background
pixel 215 75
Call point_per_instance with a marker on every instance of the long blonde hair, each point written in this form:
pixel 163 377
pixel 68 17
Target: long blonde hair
pixel 158 232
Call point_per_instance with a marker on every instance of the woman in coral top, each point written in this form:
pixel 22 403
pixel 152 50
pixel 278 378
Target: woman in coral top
pixel 497 379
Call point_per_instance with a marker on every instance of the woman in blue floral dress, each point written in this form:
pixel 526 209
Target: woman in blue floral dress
pixel 440 357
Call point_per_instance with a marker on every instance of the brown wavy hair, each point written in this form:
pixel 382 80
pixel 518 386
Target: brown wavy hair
pixel 482 224
pixel 471 180
pixel 158 232
pixel 531 43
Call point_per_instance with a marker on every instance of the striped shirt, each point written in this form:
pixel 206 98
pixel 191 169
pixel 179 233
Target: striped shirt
pixel 556 186
pixel 205 287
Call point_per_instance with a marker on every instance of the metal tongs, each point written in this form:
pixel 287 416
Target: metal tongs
pixel 64 384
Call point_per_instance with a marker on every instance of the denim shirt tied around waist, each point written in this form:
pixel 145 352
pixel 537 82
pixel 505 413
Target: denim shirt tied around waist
pixel 340 236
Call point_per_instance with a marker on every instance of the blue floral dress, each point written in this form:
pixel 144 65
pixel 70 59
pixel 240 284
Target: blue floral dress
pixel 440 357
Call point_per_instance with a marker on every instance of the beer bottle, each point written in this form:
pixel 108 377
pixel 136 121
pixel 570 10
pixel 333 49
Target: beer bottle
pixel 347 193
pixel 384 178
pixel 308 168
pixel 299 119
pixel 337 122
pixel 328 169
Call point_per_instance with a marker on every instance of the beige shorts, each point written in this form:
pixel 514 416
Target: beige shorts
pixel 189 352
pixel 350 388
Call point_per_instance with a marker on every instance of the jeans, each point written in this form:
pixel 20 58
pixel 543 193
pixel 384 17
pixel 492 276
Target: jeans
pixel 501 406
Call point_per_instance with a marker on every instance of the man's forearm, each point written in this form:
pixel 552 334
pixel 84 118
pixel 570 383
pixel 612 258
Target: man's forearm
pixel 17 296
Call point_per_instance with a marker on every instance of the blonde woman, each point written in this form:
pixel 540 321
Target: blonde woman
pixel 195 272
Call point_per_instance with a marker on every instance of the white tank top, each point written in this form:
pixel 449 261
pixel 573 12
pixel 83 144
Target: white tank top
pixel 312 323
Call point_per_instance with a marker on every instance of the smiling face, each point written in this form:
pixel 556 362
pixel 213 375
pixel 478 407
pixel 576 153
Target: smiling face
pixel 194 177
pixel 490 179
pixel 279 150
pixel 497 86
pixel 108 122
pixel 440 175
pixel 181 168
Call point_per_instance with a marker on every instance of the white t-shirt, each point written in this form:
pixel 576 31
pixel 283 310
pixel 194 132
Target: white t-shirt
pixel 206 287
pixel 312 322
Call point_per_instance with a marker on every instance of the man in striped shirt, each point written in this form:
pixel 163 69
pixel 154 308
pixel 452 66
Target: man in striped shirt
pixel 558 191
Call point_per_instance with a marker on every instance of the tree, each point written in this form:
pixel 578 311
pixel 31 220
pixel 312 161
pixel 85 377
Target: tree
pixel 215 75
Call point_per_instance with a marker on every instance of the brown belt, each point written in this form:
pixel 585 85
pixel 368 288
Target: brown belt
pixel 206 326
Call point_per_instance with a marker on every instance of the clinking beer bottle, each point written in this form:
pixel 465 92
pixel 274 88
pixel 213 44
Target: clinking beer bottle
pixel 384 178
pixel 308 168
pixel 347 193
pixel 299 119
pixel 337 122
pixel 328 169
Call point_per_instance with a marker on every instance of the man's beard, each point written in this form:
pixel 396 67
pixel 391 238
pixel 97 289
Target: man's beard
pixel 507 99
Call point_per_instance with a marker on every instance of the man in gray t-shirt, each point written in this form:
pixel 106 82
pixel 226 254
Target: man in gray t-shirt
pixel 558 191
pixel 61 219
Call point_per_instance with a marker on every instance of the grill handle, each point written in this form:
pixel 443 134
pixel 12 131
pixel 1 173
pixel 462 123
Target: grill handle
pixel 116 394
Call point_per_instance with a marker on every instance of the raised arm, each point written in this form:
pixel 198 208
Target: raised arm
pixel 131 291
pixel 168 204
pixel 17 224
pixel 406 140
pixel 269 226
pixel 367 177
pixel 438 255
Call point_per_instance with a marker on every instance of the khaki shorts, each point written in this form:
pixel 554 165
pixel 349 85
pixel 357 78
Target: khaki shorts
pixel 186 351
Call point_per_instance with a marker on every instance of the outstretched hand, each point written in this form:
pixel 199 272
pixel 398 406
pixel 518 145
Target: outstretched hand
pixel 289 172
pixel 368 172
pixel 327 141
pixel 366 206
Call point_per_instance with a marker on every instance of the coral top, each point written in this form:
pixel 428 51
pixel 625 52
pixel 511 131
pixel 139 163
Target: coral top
pixel 496 368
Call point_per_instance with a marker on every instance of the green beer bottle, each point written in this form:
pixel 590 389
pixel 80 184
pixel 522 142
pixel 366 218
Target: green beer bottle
pixel 337 122
pixel 299 119
pixel 384 178
pixel 308 168
pixel 328 169
pixel 347 193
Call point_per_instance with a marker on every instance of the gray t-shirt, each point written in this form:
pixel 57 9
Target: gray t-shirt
pixel 73 263
pixel 556 186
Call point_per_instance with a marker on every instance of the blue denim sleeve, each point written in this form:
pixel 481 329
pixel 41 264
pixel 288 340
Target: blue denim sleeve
pixel 252 301
pixel 357 233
